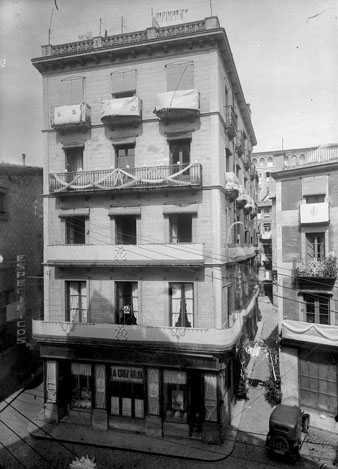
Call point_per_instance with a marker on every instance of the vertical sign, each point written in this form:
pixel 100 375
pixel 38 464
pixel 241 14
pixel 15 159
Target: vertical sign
pixel 20 292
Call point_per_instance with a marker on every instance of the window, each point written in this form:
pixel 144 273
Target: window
pixel 123 83
pixel 267 176
pixel 2 203
pixel 286 161
pixel 261 162
pixel 126 391
pixel 81 385
pixel 302 159
pixel 179 152
pixel 314 199
pixel 293 160
pixel 266 227
pixel 125 156
pixel 127 303
pixel 269 161
pixel 317 308
pixel 74 159
pixel 72 91
pixel 175 396
pixel 254 161
pixel 228 166
pixel 180 76
pixel 75 230
pixel 181 304
pixel 267 212
pixel 76 301
pixel 125 229
pixel 181 228
pixel 315 245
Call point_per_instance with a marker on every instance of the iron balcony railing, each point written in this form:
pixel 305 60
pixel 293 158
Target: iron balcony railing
pixel 129 178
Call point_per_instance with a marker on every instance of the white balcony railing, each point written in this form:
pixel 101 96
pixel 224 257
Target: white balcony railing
pixel 126 254
pixel 69 331
pixel 309 332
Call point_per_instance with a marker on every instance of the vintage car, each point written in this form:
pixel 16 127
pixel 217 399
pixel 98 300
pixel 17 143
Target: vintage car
pixel 286 425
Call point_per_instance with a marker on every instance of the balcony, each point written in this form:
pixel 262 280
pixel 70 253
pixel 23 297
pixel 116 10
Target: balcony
pixel 314 213
pixel 300 331
pixel 89 333
pixel 117 179
pixel 315 273
pixel 125 255
pixel 232 186
pixel 71 117
pixel 239 252
pixel 245 202
pixel 230 122
pixel 240 143
pixel 121 111
pixel 177 105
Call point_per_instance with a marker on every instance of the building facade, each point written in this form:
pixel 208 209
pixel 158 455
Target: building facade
pixel 21 251
pixel 150 236
pixel 306 228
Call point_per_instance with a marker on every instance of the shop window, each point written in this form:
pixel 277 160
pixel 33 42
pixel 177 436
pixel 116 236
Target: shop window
pixel 75 230
pixel 315 246
pixel 127 302
pixel 126 392
pixel 181 304
pixel 175 396
pixel 125 229
pixel 181 228
pixel 180 76
pixel 317 308
pixel 123 83
pixel 125 156
pixel 179 152
pixel 74 159
pixel 81 384
pixel 76 301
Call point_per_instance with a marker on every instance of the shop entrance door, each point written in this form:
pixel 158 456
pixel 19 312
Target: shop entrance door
pixel 196 403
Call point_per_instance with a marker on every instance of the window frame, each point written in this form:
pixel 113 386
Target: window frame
pixel 317 306
pixel 83 312
pixel 71 227
pixel 188 319
pixel 127 302
pixel 118 158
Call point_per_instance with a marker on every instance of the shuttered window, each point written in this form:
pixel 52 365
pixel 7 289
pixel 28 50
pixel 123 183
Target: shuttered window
pixel 72 91
pixel 314 185
pixel 123 84
pixel 180 76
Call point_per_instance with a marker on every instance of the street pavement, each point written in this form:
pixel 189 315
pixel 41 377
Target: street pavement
pixel 244 441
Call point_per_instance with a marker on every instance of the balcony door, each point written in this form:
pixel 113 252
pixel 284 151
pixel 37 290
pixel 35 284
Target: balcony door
pixel 125 156
pixel 180 152
pixel 76 301
pixel 315 246
pixel 74 159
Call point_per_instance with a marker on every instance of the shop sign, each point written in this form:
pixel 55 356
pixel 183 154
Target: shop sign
pixel 20 291
pixel 123 373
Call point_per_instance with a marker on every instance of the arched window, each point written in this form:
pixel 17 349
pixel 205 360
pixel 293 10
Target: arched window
pixel 302 159
pixel 261 162
pixel 293 160
pixel 286 161
pixel 270 161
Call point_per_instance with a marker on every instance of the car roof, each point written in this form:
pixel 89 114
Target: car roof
pixel 285 414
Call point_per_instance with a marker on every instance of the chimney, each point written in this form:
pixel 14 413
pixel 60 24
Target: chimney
pixel 23 158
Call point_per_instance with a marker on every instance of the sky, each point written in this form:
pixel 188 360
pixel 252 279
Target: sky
pixel 285 51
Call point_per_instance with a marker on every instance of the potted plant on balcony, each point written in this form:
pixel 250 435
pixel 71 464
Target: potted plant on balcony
pixel 330 267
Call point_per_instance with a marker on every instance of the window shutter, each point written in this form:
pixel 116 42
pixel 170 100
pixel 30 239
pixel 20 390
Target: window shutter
pixel 123 81
pixel 71 91
pixel 314 185
pixel 180 76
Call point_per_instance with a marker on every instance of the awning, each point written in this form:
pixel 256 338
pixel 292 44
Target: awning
pixel 179 99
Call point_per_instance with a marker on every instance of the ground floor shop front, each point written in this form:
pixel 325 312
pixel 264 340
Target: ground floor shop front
pixel 183 396
pixel 309 379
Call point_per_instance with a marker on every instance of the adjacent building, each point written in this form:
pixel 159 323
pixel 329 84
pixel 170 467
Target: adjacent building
pixel 21 251
pixel 304 253
pixel 150 231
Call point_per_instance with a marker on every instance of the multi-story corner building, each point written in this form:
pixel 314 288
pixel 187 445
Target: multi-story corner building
pixel 150 234
pixel 21 251
pixel 306 235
